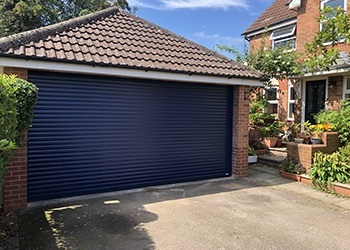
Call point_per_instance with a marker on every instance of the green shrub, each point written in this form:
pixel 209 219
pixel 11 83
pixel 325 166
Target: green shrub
pixel 327 168
pixel 17 98
pixel 339 119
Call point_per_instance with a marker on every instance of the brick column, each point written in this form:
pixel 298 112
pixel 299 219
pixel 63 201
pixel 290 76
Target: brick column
pixel 15 183
pixel 240 135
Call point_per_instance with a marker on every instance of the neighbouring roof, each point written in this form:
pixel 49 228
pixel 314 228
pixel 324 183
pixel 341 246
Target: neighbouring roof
pixel 116 38
pixel 278 12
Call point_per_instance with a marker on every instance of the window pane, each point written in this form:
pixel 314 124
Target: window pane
pixel 348 84
pixel 347 96
pixel 335 3
pixel 291 111
pixel 272 94
pixel 272 109
pixel 292 94
pixel 287 31
pixel 291 43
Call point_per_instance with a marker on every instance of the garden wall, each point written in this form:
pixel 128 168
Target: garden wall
pixel 303 153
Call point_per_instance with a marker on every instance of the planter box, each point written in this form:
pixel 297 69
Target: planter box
pixel 252 158
pixel 337 187
pixel 294 177
pixel 260 151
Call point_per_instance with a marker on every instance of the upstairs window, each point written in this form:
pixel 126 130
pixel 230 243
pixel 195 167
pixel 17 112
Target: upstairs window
pixel 333 4
pixel 284 37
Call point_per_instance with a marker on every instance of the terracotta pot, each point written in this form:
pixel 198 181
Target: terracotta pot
pixel 279 143
pixel 306 139
pixel 260 151
pixel 290 176
pixel 270 142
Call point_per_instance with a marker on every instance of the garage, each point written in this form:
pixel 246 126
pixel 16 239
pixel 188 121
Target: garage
pixel 124 103
pixel 93 134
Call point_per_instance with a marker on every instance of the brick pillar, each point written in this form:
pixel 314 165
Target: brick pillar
pixel 15 183
pixel 240 135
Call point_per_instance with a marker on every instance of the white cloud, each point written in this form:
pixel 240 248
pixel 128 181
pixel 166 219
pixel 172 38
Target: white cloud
pixel 220 39
pixel 192 4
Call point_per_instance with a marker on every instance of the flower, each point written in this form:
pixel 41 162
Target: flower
pixel 283 62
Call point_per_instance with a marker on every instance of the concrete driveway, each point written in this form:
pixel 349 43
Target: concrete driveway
pixel 226 214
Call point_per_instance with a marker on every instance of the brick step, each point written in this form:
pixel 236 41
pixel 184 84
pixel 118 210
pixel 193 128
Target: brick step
pixel 278 151
pixel 272 160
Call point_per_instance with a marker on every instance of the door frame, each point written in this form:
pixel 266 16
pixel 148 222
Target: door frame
pixel 303 98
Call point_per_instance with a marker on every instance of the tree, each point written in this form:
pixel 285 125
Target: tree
pixel 21 15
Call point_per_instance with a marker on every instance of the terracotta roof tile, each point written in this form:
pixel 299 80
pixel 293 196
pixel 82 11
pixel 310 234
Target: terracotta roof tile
pixel 114 37
pixel 276 13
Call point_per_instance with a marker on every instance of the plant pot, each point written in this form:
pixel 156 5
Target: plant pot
pixel 279 143
pixel 290 176
pixel 316 140
pixel 307 139
pixel 299 140
pixel 260 151
pixel 252 159
pixel 270 142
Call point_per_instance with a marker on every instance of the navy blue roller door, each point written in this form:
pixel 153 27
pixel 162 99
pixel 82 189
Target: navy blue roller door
pixel 95 134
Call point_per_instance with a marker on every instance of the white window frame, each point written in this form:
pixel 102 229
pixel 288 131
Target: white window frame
pixel 323 2
pixel 273 101
pixel 345 89
pixel 290 101
pixel 273 38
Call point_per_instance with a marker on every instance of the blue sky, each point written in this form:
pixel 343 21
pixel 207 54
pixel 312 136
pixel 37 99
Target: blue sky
pixel 207 22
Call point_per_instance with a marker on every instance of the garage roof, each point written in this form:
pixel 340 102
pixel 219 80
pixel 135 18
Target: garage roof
pixel 116 38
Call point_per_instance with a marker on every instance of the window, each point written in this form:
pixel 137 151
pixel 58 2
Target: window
pixel 291 103
pixel 272 97
pixel 332 4
pixel 284 37
pixel 347 88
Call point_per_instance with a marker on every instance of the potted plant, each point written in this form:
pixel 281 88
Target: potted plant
pixel 316 134
pixel 258 146
pixel 252 157
pixel 270 132
pixel 291 170
pixel 306 133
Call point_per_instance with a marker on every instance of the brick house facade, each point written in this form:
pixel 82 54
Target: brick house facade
pixel 295 21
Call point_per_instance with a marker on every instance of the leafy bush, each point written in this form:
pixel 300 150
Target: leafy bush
pixel 17 98
pixel 272 130
pixel 327 168
pixel 339 119
pixel 257 103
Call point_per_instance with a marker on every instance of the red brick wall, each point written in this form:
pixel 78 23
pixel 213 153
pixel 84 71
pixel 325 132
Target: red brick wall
pixel 240 131
pixel 15 184
pixel 303 153
pixel 335 93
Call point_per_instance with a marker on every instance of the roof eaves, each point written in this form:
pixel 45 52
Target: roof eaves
pixel 261 77
pixel 37 34
pixel 261 30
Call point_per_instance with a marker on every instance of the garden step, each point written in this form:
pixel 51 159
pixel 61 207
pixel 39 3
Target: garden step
pixel 271 160
pixel 278 151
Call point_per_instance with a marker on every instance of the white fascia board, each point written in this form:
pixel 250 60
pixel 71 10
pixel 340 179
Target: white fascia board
pixel 123 72
pixel 273 27
pixel 325 73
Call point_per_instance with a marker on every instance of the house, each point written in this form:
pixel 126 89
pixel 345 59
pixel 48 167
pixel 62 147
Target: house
pixel 294 21
pixel 124 103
